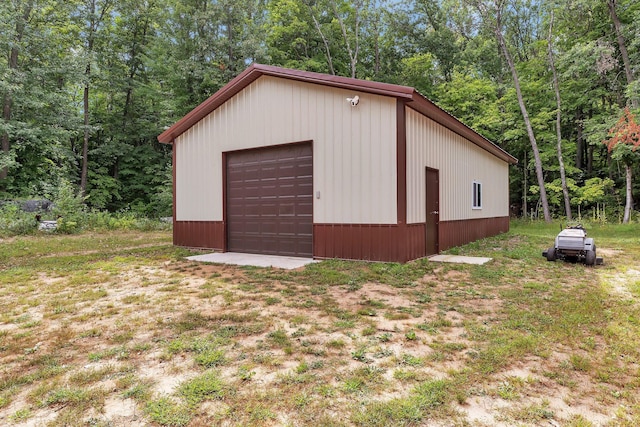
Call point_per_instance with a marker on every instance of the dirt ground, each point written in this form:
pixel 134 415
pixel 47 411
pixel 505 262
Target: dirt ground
pixel 293 353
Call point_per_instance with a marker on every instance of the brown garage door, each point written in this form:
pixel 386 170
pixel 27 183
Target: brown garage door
pixel 270 200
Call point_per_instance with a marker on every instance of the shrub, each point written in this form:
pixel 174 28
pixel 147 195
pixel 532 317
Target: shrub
pixel 72 216
pixel 69 208
pixel 122 220
pixel 13 221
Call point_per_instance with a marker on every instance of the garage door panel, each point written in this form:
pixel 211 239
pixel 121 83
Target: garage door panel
pixel 270 200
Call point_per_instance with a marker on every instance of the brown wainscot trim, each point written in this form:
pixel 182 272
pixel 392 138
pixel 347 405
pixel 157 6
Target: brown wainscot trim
pixel 456 233
pixel 369 242
pixel 415 241
pixel 199 234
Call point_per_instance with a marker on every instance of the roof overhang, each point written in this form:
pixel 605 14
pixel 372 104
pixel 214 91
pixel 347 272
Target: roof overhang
pixel 437 114
pixel 405 94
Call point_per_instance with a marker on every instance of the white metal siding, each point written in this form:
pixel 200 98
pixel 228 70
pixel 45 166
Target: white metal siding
pixel 354 149
pixel 192 157
pixel 460 163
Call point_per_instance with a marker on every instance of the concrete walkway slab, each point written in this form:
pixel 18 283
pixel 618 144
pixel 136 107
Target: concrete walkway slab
pixel 234 258
pixel 460 259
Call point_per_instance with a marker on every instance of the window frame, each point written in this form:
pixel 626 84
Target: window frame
pixel 476 195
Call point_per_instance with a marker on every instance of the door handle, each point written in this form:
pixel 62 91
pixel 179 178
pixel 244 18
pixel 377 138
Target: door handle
pixel 435 212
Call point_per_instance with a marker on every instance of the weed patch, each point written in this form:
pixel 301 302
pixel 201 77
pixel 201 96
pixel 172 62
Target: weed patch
pixel 167 412
pixel 205 386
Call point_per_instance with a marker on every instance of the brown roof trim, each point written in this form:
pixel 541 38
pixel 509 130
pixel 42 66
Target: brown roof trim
pixel 367 86
pixel 409 94
pixel 254 71
pixel 214 101
pixel 437 114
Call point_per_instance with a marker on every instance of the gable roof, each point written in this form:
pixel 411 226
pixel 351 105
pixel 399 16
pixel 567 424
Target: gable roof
pixel 405 94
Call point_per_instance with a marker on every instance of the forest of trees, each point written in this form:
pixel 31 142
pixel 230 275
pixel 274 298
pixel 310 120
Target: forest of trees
pixel 87 85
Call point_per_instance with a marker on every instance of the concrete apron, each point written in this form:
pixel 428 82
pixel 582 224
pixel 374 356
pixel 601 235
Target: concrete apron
pixel 255 260
pixel 458 259
pixel 290 263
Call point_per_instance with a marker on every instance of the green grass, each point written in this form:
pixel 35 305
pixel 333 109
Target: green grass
pixel 425 401
pixel 167 412
pixel 207 351
pixel 88 376
pixel 203 387
pixel 21 415
pixel 121 315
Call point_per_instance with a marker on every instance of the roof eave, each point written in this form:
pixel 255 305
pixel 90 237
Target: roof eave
pixel 367 86
pixel 403 93
pixel 434 112
pixel 255 71
pixel 214 101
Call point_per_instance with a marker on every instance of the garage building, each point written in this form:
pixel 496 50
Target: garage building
pixel 295 163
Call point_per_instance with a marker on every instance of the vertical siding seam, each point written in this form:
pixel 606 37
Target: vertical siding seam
pixel 460 162
pixel 401 158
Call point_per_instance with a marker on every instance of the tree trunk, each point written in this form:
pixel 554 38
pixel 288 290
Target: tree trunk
pixel 91 4
pixel 230 52
pixel 6 115
pixel 133 69
pixel 13 65
pixel 353 52
pixel 524 190
pixel 85 140
pixel 527 122
pixel 622 46
pixel 579 142
pixel 563 178
pixel 324 41
pixel 92 28
pixel 629 204
pixel 376 49
pixel 621 42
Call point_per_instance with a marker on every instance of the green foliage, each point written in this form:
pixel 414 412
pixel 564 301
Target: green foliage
pixel 625 153
pixel 152 62
pixel 474 100
pixel 13 221
pixel 122 220
pixel 418 71
pixel 161 198
pixel 594 190
pixel 74 218
pixel 69 209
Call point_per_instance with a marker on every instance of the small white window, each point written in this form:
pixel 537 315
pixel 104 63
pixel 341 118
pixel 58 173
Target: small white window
pixel 477 195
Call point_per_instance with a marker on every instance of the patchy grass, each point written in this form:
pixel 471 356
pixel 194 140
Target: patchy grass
pixel 118 329
pixel 205 386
